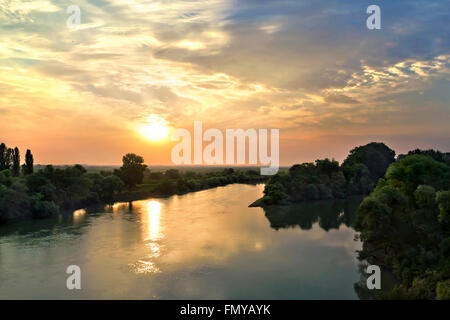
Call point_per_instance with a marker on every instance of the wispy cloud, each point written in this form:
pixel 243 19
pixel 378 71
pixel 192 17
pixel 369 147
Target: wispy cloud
pixel 308 67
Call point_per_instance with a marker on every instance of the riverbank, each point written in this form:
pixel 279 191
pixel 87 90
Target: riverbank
pixel 50 191
pixel 136 196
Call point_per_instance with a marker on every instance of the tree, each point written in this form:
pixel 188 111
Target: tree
pixel 274 193
pixel 44 209
pixel 404 224
pixel 166 186
pixel 443 201
pixel 435 154
pixel 132 170
pixel 27 168
pixel 365 165
pixel 111 185
pixel 425 196
pixel 9 158
pixel 14 202
pixel 6 157
pixel 443 290
pixel 375 156
pixel 2 157
pixel 172 174
pixel 327 166
pixel 16 162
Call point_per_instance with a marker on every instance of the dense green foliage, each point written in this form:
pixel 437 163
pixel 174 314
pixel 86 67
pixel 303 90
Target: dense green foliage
pixel 365 165
pixel 43 193
pixel 326 179
pixel 435 154
pixel 405 227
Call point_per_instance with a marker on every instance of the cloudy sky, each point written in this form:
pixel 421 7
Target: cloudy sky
pixel 308 67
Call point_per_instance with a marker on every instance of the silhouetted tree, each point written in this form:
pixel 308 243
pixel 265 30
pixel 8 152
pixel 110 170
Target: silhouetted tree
pixel 327 166
pixel 9 158
pixel 375 156
pixel 16 162
pixel 6 157
pixel 27 168
pixel 2 156
pixel 132 170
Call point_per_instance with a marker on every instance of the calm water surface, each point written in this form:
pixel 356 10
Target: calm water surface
pixel 203 245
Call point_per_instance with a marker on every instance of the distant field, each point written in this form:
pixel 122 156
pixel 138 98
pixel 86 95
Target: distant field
pixel 203 169
pixel 89 168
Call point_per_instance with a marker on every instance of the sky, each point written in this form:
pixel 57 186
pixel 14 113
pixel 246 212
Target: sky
pixel 310 68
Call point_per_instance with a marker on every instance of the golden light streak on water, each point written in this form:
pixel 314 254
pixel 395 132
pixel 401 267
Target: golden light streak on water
pixel 151 221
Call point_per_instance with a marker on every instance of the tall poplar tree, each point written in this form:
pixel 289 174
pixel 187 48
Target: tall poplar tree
pixel 16 162
pixel 2 156
pixel 27 168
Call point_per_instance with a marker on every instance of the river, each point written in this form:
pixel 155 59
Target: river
pixel 202 245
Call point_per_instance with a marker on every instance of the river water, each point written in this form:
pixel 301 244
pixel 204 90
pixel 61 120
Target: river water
pixel 202 245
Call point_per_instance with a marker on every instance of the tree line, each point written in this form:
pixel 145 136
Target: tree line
pixel 10 159
pixel 327 179
pixel 44 193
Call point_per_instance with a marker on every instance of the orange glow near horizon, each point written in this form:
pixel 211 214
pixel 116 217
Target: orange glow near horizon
pixel 114 86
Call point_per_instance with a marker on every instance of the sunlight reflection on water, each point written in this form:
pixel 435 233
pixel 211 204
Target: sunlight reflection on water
pixel 151 222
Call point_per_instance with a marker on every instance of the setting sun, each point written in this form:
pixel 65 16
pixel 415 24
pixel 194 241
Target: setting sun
pixel 155 128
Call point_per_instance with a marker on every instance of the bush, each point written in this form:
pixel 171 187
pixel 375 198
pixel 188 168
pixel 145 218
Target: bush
pixel 443 290
pixel 6 178
pixel 274 194
pixel 111 185
pixel 166 186
pixel 14 202
pixel 45 209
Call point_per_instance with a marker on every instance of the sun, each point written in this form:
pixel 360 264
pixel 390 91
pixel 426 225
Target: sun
pixel 155 128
